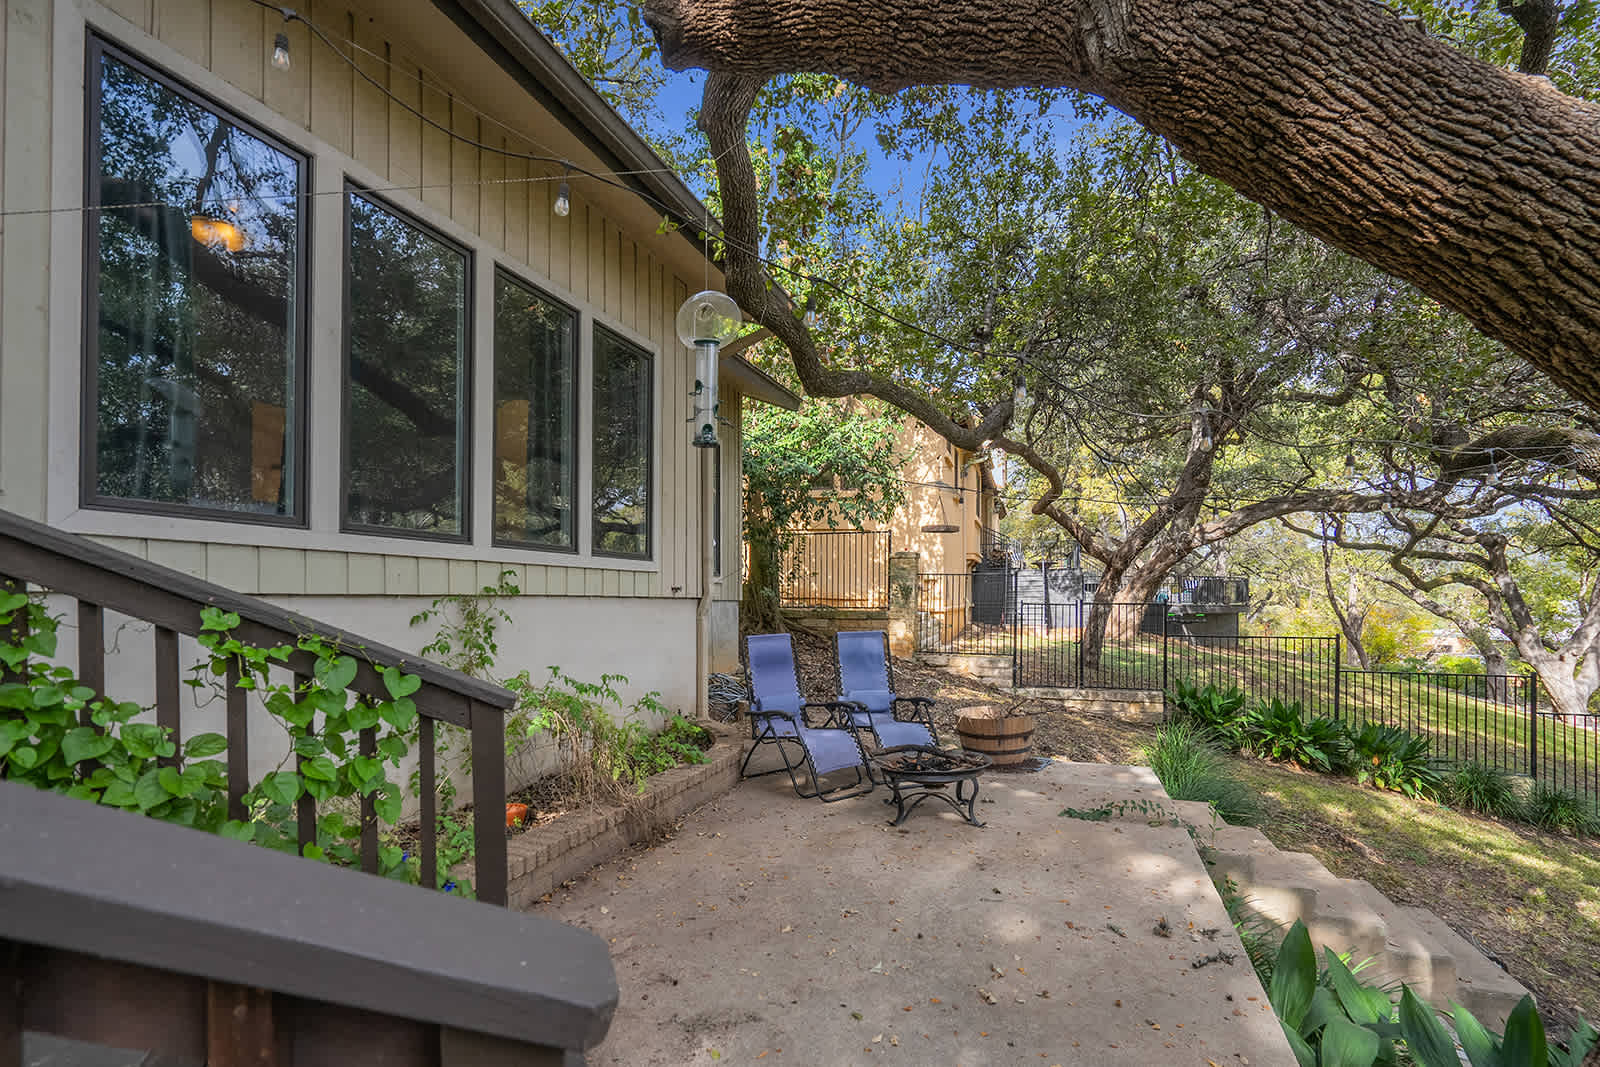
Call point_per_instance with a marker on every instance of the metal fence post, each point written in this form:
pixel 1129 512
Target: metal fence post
pixel 1164 629
pixel 1533 725
pixel 1338 669
pixel 1079 676
pixel 1016 632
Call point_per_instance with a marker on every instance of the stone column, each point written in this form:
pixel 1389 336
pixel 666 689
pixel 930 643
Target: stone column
pixel 903 570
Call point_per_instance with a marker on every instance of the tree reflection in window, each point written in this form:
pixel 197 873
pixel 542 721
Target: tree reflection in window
pixel 194 304
pixel 535 416
pixel 407 340
pixel 622 444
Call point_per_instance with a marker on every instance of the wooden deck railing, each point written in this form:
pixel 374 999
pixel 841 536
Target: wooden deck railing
pixel 102 579
pixel 128 932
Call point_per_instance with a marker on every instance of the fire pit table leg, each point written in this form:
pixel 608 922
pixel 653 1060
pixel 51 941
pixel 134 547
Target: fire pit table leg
pixel 971 799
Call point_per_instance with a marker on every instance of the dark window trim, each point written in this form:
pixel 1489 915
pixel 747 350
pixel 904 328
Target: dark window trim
pixel 649 455
pixel 502 271
pixel 716 511
pixel 299 517
pixel 464 434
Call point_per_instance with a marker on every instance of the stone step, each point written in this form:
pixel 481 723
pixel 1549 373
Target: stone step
pixel 1289 886
pixel 1231 851
pixel 1408 954
pixel 1481 986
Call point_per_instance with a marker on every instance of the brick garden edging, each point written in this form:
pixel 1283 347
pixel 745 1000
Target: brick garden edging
pixel 540 859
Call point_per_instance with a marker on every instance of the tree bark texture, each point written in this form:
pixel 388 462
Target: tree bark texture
pixel 1476 184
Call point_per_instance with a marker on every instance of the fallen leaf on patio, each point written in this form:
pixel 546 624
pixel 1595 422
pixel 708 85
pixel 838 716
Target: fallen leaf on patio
pixel 1045 993
pixel 987 996
pixel 716 1055
pixel 895 1041
pixel 934 1000
pixel 998 972
pixel 877 1039
pixel 787 930
pixel 906 1008
pixel 762 1054
pixel 605 911
pixel 876 968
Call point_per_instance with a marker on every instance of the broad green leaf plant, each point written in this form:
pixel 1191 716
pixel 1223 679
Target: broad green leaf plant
pixel 1333 1020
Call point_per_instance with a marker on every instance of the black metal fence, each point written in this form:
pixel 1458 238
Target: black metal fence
pixel 837 569
pixel 1050 649
pixel 1305 669
pixel 1496 719
pixel 972 613
pixel 1500 720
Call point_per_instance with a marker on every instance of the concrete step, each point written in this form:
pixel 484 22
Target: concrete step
pixel 1408 954
pixel 1481 986
pixel 1289 886
pixel 1231 852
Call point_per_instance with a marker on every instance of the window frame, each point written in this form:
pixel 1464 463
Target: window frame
pixel 648 369
pixel 298 517
pixel 576 437
pixel 469 355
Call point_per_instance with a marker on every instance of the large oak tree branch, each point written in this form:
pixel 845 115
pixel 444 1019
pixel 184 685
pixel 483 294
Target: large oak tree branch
pixel 1476 184
pixel 725 116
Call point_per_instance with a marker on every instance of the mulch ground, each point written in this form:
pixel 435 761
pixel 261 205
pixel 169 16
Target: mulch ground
pixel 1083 738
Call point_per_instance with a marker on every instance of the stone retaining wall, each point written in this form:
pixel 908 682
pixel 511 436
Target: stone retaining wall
pixel 542 858
pixel 993 670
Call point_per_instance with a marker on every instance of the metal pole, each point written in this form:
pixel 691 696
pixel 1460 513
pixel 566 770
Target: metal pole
pixel 1338 659
pixel 1533 726
pixel 1016 631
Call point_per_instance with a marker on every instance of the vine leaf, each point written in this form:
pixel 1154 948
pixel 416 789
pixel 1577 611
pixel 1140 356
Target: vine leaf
pixel 400 684
pixel 337 672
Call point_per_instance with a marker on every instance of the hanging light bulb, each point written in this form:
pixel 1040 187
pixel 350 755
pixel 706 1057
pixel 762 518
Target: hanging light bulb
pixel 1020 393
pixel 280 51
pixel 1350 463
pixel 563 204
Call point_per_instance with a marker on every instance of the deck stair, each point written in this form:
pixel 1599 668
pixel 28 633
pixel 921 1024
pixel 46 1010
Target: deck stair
pixel 1410 945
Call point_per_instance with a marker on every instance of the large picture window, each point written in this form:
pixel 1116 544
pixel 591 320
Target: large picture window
pixel 405 376
pixel 535 417
pixel 622 445
pixel 193 303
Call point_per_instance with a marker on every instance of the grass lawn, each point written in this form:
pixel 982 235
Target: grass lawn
pixel 1530 898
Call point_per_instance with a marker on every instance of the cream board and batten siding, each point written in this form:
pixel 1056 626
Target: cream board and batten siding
pixel 605 259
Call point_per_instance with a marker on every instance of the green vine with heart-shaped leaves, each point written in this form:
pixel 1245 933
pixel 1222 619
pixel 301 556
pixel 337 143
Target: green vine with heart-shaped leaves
pixel 137 766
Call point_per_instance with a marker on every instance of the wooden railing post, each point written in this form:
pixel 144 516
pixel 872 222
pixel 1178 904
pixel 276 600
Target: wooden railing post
pixel 10 1004
pixel 238 744
pixel 91 653
pixel 239 1030
pixel 489 800
pixel 427 785
pixel 168 715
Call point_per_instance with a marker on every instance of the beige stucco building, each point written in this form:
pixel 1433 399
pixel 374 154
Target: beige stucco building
pixel 339 325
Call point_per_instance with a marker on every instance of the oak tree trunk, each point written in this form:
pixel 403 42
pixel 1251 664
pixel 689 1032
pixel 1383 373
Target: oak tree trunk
pixel 1476 184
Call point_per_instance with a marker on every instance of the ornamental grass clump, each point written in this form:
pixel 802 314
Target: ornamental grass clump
pixel 1479 787
pixel 1550 807
pixel 1191 767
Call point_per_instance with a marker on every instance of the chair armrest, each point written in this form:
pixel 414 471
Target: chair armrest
pixel 834 707
pixel 921 708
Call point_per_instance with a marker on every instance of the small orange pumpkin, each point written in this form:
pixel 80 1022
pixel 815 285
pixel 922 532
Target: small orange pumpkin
pixel 516 815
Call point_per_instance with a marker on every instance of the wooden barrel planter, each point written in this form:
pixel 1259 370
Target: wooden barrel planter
pixel 1005 739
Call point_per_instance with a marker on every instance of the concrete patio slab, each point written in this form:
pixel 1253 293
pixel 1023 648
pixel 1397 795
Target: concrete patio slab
pixel 779 930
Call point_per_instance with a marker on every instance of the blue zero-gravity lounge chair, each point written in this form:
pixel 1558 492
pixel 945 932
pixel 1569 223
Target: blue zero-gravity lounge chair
pixel 778 717
pixel 865 683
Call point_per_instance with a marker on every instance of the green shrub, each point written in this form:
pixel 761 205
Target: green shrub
pixel 1280 731
pixel 1192 768
pixel 1553 808
pixel 1480 787
pixel 1387 757
pixel 1220 711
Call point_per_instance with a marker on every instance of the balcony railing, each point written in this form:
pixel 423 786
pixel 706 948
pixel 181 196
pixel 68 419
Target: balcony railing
pixel 102 580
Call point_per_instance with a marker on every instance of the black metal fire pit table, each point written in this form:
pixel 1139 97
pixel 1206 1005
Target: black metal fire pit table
pixel 917 772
